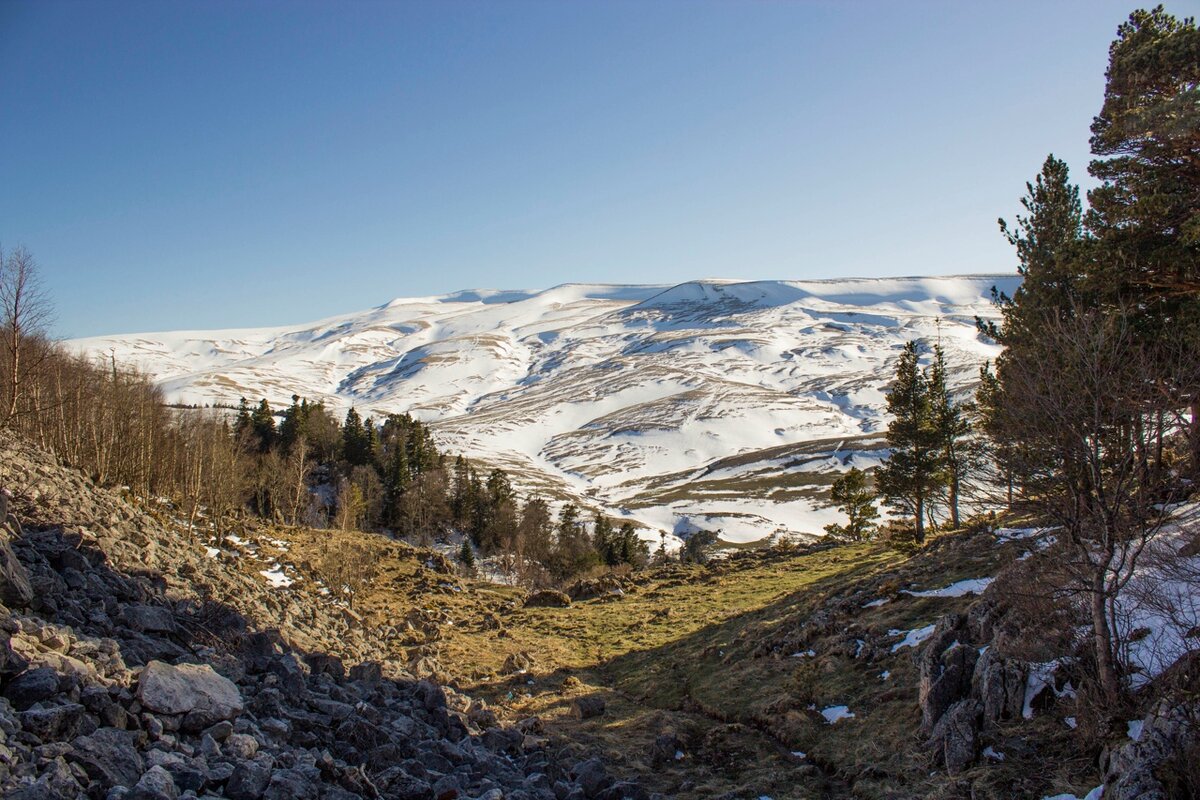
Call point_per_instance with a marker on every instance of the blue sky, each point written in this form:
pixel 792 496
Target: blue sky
pixel 220 164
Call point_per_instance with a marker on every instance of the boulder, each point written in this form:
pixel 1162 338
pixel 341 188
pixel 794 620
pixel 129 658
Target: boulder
pixel 588 707
pixel 945 679
pixel 108 757
pixel 149 619
pixel 155 784
pixel 248 781
pixel 548 598
pixel 192 689
pixel 32 687
pixel 55 723
pixel 15 588
pixel 955 740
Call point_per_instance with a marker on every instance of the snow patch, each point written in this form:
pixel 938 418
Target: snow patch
pixel 912 638
pixel 970 586
pixel 835 713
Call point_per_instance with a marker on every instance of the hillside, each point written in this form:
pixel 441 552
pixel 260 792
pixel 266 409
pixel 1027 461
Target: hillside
pixel 709 404
pixel 799 673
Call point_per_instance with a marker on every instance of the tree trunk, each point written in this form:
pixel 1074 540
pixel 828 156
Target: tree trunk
pixel 954 518
pixel 919 534
pixel 1102 642
pixel 1194 436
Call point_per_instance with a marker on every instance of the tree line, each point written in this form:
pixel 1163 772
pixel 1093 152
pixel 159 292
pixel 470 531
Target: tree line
pixel 301 466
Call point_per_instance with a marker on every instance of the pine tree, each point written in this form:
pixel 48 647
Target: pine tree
pixel 915 469
pixel 633 550
pixel 262 425
pixel 466 554
pixel 603 539
pixel 243 426
pixel 1050 255
pixel 1146 212
pixel 354 439
pixel 1147 142
pixel 954 430
pixel 856 499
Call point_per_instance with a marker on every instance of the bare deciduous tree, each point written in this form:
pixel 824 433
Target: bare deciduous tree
pixel 1089 417
pixel 26 312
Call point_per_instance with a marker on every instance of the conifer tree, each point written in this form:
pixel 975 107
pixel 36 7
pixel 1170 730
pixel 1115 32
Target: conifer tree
pixel 262 425
pixel 1146 138
pixel 603 539
pixel 633 550
pixel 243 426
pixel 466 554
pixel 855 498
pixel 354 439
pixel 954 429
pixel 915 469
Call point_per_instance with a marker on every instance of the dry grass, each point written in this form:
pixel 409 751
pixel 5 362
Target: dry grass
pixel 686 652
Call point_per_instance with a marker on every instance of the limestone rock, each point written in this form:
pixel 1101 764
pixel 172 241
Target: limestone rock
pixel 192 689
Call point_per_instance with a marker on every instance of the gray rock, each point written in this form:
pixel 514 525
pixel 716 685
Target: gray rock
pixel 16 590
pixel 955 737
pixel 155 784
pixel 292 784
pixel 108 757
pixel 149 619
pixel 54 723
pixel 248 781
pixel 55 783
pixel 192 689
pixel 591 776
pixel 32 687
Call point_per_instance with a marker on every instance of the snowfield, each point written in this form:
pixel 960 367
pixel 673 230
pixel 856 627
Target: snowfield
pixel 712 404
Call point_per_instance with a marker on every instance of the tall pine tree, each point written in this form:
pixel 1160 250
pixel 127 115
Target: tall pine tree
pixel 915 470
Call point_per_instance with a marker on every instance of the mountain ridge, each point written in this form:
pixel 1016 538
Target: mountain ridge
pixel 593 391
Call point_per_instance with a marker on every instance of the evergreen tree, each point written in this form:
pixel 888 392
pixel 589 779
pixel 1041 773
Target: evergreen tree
pixel 262 425
pixel 633 550
pixel 292 427
pixel 1146 138
pixel 1049 244
pixel 954 430
pixel 914 471
pixel 855 498
pixel 1146 211
pixel 466 554
pixel 354 439
pixel 605 542
pixel 243 426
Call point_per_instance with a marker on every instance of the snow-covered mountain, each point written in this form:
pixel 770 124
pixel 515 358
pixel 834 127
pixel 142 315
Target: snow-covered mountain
pixel 713 403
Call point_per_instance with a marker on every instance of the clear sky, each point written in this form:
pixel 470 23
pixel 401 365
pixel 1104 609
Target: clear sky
pixel 228 164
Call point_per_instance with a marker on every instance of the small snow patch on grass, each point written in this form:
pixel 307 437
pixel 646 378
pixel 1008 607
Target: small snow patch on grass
pixel 912 638
pixel 835 713
pixel 970 586
pixel 1135 729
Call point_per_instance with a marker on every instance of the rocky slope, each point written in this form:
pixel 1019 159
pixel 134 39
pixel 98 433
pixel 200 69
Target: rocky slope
pixel 133 664
pixel 709 404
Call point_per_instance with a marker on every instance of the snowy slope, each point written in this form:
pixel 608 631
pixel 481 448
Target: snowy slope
pixel 712 403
